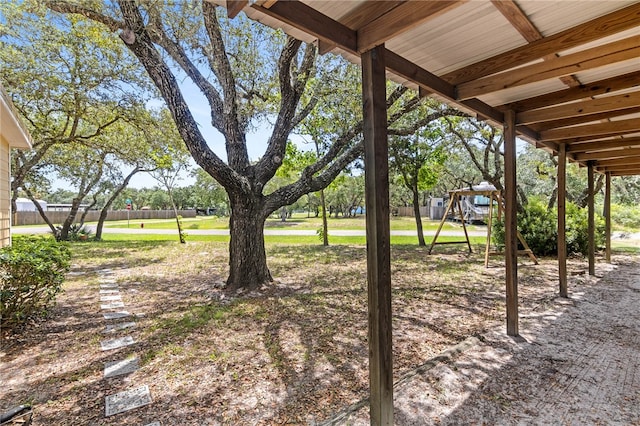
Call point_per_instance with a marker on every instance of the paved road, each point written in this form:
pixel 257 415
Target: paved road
pixel 292 232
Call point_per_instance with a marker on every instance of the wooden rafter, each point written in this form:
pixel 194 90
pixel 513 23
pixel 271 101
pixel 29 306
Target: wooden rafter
pixel 630 161
pixel 368 12
pixel 591 131
pixel 581 109
pixel 234 7
pixel 358 18
pixel 598 28
pixel 617 51
pixel 309 20
pixel 603 145
pixel 521 22
pixel 401 19
pixel 607 155
pixel 305 18
pixel 595 88
pixel 581 120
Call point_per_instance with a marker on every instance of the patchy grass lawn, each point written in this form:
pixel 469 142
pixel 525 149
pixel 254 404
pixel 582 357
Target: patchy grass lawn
pixel 293 353
pixel 298 221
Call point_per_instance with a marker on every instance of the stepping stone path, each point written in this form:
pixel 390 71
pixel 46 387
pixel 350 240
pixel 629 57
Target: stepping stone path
pixel 131 398
pixel 127 400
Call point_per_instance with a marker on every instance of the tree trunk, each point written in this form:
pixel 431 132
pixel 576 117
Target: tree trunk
pixel 44 216
pixel 325 226
pixel 247 257
pixel 66 226
pixel 105 209
pixel 416 211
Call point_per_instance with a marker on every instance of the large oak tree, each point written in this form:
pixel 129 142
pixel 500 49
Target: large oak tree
pixel 246 73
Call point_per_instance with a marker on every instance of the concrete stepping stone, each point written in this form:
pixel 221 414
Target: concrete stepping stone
pixel 112 305
pixel 115 315
pixel 110 298
pixel 156 423
pixel 110 328
pixel 117 343
pixel 127 400
pixel 109 291
pixel 118 368
pixel 105 286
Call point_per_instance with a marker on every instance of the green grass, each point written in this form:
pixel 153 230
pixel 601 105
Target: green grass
pixel 298 221
pixel 284 239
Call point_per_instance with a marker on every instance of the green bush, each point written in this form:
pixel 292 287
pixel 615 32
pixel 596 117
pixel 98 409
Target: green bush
pixel 626 216
pixel 539 228
pixel 32 271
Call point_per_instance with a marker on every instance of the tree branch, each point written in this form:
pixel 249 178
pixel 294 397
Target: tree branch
pixel 141 44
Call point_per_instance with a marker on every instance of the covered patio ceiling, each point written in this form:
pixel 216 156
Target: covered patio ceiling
pixel 570 70
pixel 563 75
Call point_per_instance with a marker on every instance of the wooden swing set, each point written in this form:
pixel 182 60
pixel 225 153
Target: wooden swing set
pixel 455 202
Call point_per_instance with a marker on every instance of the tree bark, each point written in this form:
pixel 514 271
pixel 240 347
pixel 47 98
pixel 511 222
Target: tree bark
pixel 325 226
pixel 105 209
pixel 416 211
pixel 247 256
pixel 54 231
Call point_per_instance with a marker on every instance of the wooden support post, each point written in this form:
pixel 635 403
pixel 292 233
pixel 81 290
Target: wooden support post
pixel 607 216
pixel 444 218
pixel 487 247
pixel 510 222
pixel 378 235
pixel 562 219
pixel 592 223
pixel 464 227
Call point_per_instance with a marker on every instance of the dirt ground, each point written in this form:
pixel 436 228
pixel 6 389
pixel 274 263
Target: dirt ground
pixel 293 353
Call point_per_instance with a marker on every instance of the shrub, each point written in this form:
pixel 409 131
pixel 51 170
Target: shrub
pixel 539 228
pixel 626 216
pixel 31 275
pixel 76 232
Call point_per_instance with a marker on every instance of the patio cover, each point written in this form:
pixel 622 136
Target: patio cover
pixel 562 75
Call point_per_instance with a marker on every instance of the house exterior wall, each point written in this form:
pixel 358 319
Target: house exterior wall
pixel 13 134
pixel 5 194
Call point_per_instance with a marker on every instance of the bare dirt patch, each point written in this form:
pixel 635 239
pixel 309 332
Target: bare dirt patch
pixel 294 353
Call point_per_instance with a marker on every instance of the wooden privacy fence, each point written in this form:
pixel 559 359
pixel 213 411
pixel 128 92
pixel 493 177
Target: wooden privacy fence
pixel 408 211
pixel 57 217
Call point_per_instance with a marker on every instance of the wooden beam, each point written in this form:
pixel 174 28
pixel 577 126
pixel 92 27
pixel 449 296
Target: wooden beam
pixel 266 3
pixel 628 173
pixel 618 168
pixel 378 236
pixel 367 12
pixel 309 20
pixel 510 223
pixel 607 216
pixel 609 85
pixel 598 28
pixel 520 21
pixel 603 145
pixel 607 155
pixel 401 19
pixel 562 214
pixel 584 120
pixel 432 83
pixel 592 131
pixel 617 51
pixel 591 220
pixel 581 109
pixel 425 79
pixel 627 161
pixel 234 7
